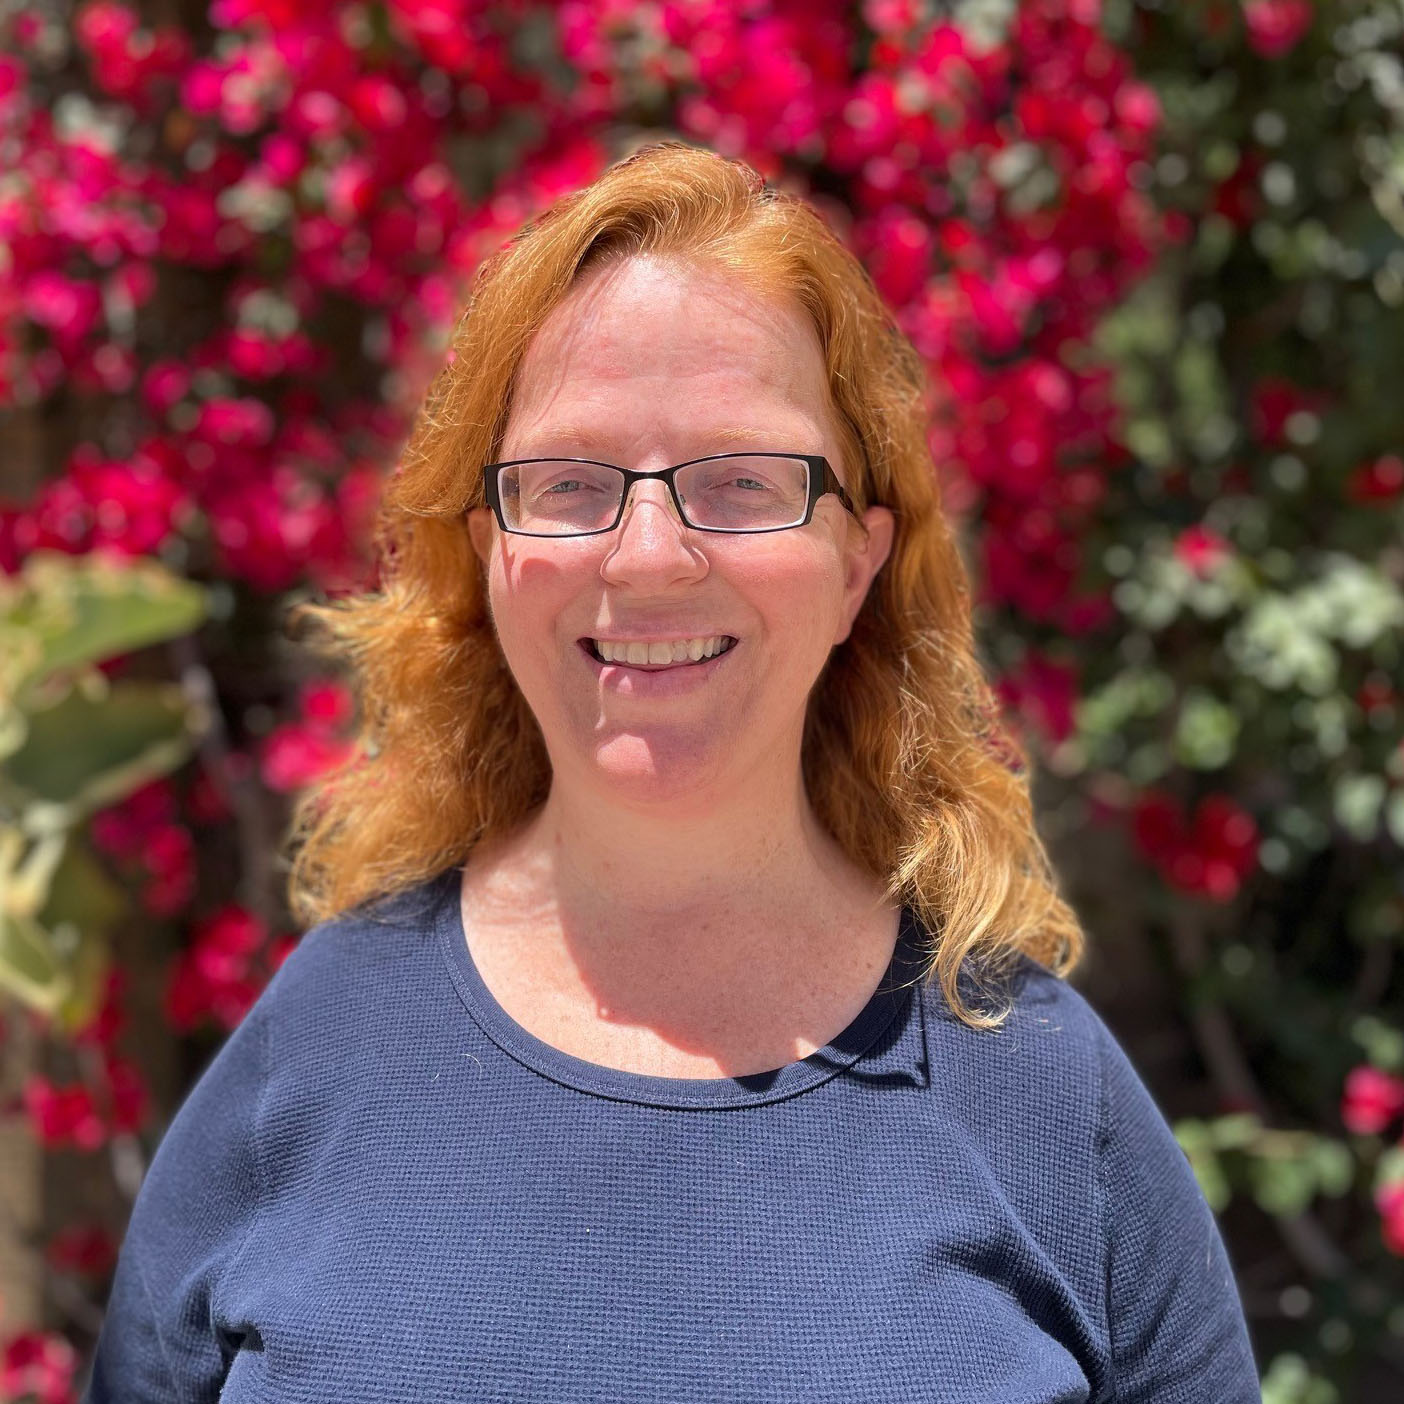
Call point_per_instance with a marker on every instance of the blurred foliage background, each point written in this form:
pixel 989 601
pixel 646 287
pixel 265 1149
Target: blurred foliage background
pixel 1154 256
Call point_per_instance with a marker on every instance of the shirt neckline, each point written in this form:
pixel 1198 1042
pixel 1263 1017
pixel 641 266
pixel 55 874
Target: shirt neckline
pixel 891 995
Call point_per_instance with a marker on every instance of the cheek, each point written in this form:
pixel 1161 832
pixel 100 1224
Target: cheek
pixel 801 585
pixel 529 592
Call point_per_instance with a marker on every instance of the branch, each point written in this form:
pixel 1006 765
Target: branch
pixel 1233 1079
pixel 251 824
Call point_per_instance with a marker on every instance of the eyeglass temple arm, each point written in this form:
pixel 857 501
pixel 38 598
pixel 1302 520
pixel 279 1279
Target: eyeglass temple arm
pixel 832 484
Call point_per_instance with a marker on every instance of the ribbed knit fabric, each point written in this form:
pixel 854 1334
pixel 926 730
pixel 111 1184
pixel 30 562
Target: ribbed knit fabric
pixel 384 1189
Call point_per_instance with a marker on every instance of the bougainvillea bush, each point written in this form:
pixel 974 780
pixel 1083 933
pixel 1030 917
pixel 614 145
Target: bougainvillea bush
pixel 1154 256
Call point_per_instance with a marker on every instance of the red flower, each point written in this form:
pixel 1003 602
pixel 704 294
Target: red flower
pixel 1276 27
pixel 1275 401
pixel 1209 856
pixel 108 1019
pixel 1378 481
pixel 1372 1100
pixel 221 973
pixel 1044 692
pixel 129 1103
pixel 84 1248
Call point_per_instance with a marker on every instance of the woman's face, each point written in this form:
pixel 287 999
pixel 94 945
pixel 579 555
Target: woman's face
pixel 645 364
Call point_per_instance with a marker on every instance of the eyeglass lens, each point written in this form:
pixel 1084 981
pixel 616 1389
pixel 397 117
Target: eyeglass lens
pixel 751 492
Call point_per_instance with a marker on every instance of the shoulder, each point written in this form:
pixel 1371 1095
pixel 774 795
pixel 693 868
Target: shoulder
pixel 1049 1033
pixel 1050 1080
pixel 353 962
pixel 1055 1077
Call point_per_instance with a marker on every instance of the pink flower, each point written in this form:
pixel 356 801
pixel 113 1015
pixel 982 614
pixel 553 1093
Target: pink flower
pixel 282 157
pixel 351 190
pixel 1372 1099
pixel 123 829
pixel 169 857
pixel 38 1365
pixel 218 976
pixel 327 703
pixel 1201 549
pixel 241 422
pixel 66 307
pixel 1138 106
pixel 63 1116
pixel 377 103
pixel 295 754
pixel 901 247
pixel 1276 27
pixel 1389 1200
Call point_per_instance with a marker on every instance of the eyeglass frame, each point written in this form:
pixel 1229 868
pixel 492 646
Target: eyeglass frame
pixel 821 480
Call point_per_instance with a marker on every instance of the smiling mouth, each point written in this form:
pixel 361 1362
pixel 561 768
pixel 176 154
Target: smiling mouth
pixel 682 655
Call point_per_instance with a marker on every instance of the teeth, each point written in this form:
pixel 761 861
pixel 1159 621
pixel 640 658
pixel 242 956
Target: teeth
pixel 680 651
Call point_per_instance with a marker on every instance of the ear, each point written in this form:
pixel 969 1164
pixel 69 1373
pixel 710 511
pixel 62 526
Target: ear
pixel 863 556
pixel 481 527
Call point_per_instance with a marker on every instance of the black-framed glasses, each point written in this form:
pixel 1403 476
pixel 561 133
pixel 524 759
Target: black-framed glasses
pixel 729 492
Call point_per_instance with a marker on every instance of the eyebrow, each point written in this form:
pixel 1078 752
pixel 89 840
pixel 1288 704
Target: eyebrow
pixel 591 441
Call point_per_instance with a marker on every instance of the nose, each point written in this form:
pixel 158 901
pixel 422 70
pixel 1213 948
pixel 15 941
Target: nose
pixel 650 546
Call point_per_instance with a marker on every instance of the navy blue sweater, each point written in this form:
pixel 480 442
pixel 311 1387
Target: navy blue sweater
pixel 383 1188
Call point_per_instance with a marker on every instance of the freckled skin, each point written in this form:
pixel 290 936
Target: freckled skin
pixel 645 364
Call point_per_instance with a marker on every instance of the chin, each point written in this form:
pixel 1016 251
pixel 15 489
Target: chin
pixel 657 769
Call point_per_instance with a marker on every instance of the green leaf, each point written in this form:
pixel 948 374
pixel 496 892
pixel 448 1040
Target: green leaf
pixel 1236 1131
pixel 83 905
pixel 29 967
pixel 1194 1138
pixel 1383 1042
pixel 101 741
pixel 1283 1187
pixel 1358 799
pixel 1290 1380
pixel 1335 1167
pixel 1206 732
pixel 66 611
pixel 1394 816
pixel 56 905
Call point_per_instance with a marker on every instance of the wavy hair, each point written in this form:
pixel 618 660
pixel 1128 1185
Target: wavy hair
pixel 903 757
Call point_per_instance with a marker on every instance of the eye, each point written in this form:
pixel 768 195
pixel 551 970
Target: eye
pixel 564 486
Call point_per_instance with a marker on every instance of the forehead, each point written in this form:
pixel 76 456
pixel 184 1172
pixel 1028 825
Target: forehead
pixel 650 350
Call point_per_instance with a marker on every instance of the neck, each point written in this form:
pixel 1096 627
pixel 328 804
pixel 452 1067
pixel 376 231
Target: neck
pixel 754 860
pixel 647 872
pixel 738 931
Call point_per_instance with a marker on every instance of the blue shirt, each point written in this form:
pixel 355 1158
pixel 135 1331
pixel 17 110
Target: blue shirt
pixel 383 1188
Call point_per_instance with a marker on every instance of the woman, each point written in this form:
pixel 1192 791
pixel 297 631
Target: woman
pixel 682 1018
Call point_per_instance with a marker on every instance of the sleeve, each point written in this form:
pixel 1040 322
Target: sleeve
pixel 192 1214
pixel 1176 1324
